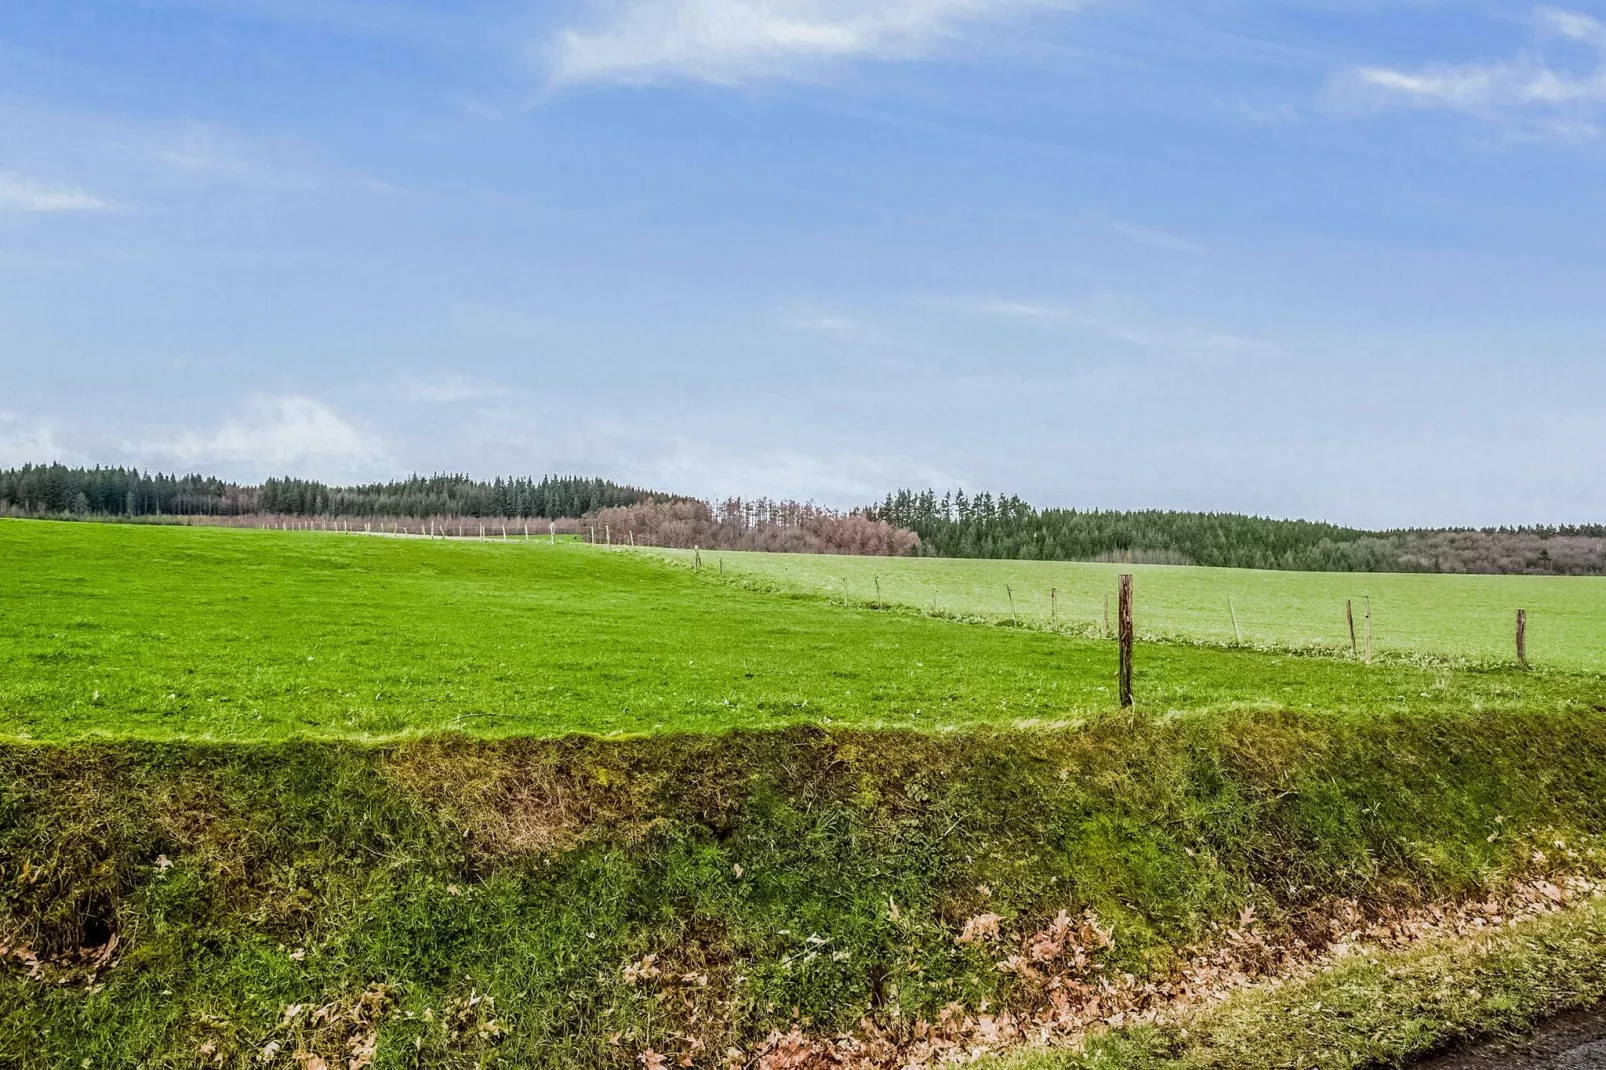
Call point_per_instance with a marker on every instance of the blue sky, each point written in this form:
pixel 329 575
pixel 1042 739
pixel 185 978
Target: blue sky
pixel 1326 259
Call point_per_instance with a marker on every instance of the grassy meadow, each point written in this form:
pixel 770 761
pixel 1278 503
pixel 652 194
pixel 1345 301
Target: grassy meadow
pixel 291 800
pixel 1455 616
pixel 212 633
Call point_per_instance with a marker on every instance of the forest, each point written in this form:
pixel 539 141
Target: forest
pixel 42 490
pixel 1004 526
pixel 984 525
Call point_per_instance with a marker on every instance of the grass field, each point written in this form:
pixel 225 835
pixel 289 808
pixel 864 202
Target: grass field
pixel 264 803
pixel 1454 616
pixel 210 633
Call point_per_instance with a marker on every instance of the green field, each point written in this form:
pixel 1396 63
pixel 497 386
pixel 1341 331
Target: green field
pixel 1470 617
pixel 290 800
pixel 212 633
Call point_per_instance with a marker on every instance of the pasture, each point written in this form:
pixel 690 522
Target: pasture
pixel 288 799
pixel 224 634
pixel 1453 616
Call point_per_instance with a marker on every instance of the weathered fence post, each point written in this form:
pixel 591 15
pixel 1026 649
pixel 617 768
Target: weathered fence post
pixel 1106 615
pixel 552 531
pixel 1053 610
pixel 1012 618
pixel 1124 623
pixel 696 559
pixel 1522 637
pixel 1349 616
pixel 1237 636
pixel 1368 629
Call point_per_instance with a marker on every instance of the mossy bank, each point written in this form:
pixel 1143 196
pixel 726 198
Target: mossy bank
pixel 584 902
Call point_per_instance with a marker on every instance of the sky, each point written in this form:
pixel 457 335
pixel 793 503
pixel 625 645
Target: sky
pixel 1336 260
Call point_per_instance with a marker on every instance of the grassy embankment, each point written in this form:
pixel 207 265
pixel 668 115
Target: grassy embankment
pixel 1458 617
pixel 282 888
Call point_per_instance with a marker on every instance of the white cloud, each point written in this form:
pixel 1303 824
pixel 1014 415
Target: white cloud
pixel 1534 80
pixel 23 441
pixel 443 389
pixel 731 41
pixel 710 464
pixel 19 193
pixel 277 434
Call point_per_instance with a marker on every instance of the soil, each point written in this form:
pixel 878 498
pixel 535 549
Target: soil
pixel 1575 1041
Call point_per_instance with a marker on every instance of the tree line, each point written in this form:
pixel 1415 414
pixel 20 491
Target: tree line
pixel 57 489
pixel 906 522
pixel 1004 526
pixel 750 524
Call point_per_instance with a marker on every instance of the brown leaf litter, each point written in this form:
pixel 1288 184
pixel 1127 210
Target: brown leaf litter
pixel 1067 993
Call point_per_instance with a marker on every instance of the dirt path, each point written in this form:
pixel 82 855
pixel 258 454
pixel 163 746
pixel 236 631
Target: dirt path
pixel 1574 1041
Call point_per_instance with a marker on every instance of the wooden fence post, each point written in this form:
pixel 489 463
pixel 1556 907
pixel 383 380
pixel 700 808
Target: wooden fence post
pixel 1522 637
pixel 1368 629
pixel 1012 618
pixel 1237 636
pixel 1052 609
pixel 1349 616
pixel 552 531
pixel 1106 615
pixel 1124 623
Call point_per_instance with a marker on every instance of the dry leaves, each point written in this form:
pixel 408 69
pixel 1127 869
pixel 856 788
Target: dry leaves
pixel 643 970
pixel 980 927
pixel 1068 992
pixel 82 965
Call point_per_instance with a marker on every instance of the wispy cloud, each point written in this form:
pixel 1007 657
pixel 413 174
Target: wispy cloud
pixel 1155 238
pixel 472 317
pixel 19 193
pixel 727 42
pixel 352 16
pixel 207 153
pixel 807 317
pixel 444 389
pixel 1536 80
pixel 1108 320
pixel 276 434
